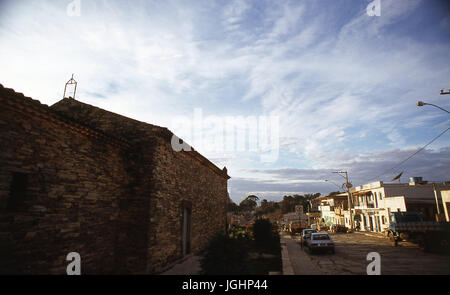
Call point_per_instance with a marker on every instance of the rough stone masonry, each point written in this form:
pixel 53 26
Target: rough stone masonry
pixel 77 178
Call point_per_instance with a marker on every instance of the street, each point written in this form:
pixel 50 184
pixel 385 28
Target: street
pixel 351 253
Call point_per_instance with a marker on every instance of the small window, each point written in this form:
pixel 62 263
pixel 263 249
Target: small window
pixel 381 196
pixel 17 191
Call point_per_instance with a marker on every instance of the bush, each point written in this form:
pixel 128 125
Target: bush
pixel 266 236
pixel 225 256
pixel 239 232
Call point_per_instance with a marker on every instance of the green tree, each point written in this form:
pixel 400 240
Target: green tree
pixel 287 204
pixel 249 203
pixel 264 204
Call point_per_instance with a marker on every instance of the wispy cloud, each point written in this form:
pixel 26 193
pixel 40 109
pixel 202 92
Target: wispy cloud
pixel 362 168
pixel 343 84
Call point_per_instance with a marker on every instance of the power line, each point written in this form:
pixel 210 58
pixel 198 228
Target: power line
pixel 399 164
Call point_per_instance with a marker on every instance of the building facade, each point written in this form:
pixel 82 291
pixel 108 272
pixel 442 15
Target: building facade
pixel 332 209
pixel 446 203
pixel 374 202
pixel 76 178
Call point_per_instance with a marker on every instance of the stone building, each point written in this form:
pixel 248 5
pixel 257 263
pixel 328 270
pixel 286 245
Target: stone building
pixel 77 178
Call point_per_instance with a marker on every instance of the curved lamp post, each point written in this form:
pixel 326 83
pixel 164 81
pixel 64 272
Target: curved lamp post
pixel 334 184
pixel 421 104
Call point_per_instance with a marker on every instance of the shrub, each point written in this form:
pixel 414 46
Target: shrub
pixel 239 232
pixel 225 255
pixel 266 236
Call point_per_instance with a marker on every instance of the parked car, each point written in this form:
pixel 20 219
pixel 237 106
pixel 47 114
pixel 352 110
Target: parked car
pixel 323 227
pixel 337 228
pixel 306 234
pixel 320 242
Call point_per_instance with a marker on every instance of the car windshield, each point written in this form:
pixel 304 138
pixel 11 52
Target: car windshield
pixel 320 237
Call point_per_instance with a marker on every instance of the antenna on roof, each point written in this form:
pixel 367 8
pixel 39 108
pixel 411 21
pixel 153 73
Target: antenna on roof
pixel 70 82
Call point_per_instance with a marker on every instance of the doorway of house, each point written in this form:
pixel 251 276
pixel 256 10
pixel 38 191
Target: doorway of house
pixel 186 230
pixel 378 223
pixel 371 223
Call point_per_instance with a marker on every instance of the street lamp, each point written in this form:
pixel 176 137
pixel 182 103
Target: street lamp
pixel 335 184
pixel 421 104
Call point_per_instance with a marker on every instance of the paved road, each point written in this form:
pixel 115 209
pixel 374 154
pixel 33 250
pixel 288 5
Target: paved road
pixel 351 253
pixel 190 266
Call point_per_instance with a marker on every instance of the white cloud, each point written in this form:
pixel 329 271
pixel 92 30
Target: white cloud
pixel 342 84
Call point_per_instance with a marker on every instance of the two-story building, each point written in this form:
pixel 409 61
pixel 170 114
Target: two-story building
pixel 372 203
pixel 332 208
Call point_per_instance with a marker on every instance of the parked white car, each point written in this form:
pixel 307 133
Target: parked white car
pixel 306 234
pixel 320 242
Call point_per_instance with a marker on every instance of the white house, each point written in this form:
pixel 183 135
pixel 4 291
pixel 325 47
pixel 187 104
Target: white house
pixel 332 208
pixel 375 201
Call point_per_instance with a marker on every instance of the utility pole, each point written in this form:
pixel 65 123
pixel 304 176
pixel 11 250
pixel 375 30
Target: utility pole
pixel 348 185
pixel 439 216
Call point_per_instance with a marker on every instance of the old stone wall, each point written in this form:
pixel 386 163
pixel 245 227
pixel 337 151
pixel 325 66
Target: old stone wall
pixel 164 178
pixel 72 183
pixel 106 186
pixel 179 178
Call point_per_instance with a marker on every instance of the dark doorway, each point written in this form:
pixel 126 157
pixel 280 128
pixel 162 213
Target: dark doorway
pixel 371 223
pixel 186 229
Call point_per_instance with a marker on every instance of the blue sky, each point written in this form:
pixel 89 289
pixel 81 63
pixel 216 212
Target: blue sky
pixel 343 84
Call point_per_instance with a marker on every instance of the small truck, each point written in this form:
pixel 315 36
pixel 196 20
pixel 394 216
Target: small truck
pixel 430 235
pixel 296 227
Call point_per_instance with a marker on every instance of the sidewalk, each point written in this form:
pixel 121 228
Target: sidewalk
pixel 371 234
pixel 189 266
pixel 295 260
